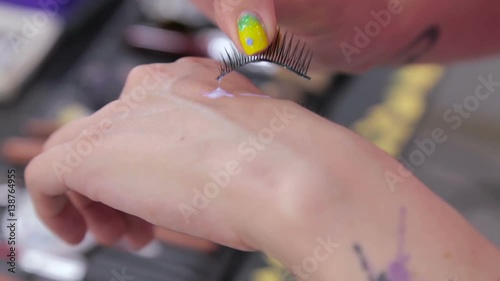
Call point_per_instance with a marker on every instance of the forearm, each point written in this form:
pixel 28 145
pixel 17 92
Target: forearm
pixel 421 31
pixel 394 231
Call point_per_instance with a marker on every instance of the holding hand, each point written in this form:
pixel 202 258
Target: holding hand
pixel 167 154
pixel 242 170
pixel 343 35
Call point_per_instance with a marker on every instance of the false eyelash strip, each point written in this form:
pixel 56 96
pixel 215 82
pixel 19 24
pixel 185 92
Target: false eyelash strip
pixel 286 51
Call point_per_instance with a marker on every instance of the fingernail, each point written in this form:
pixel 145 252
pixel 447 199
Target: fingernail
pixel 252 34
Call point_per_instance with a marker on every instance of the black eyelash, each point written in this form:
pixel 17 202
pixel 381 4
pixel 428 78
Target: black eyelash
pixel 285 51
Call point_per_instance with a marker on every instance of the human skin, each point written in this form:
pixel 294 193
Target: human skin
pixel 328 26
pixel 21 150
pixel 312 184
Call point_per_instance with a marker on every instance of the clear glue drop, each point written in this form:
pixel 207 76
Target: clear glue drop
pixel 218 93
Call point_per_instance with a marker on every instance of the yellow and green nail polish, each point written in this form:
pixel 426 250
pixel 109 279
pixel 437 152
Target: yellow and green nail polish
pixel 252 34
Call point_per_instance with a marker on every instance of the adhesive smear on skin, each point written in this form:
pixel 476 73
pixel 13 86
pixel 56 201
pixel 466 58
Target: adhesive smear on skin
pixel 220 93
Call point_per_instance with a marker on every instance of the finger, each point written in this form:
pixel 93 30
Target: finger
pixel 185 240
pixel 188 76
pixel 60 216
pixel 48 193
pixel 203 70
pixel 19 151
pixel 107 224
pixel 146 79
pixel 251 25
pixel 68 132
pixel 139 232
pixel 91 127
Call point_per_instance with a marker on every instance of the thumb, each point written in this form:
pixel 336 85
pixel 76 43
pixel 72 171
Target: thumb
pixel 250 24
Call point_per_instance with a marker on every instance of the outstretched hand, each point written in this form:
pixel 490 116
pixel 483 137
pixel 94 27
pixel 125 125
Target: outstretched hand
pixel 168 155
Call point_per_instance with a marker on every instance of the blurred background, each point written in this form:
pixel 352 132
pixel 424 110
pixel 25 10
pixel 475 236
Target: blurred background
pixel 61 60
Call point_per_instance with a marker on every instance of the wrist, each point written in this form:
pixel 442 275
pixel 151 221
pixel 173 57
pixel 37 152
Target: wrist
pixel 310 214
pixel 296 221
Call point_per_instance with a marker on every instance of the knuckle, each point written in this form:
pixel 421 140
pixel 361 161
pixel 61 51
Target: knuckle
pixel 92 187
pixel 109 109
pixel 149 77
pixel 29 174
pixel 87 181
pixel 194 68
pixel 140 72
pixel 188 60
pixel 53 139
pixel 195 63
pixel 290 104
pixel 64 134
pixel 137 72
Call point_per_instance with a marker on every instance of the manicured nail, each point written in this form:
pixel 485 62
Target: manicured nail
pixel 252 34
